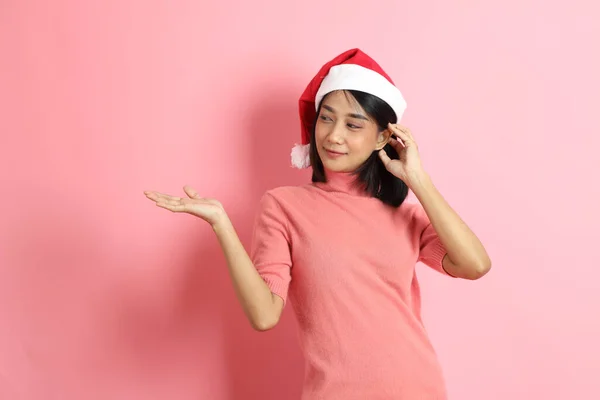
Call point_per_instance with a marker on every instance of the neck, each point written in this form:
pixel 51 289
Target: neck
pixel 345 182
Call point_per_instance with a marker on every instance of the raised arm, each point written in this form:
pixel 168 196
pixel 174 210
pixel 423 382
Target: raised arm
pixel 466 257
pixel 260 305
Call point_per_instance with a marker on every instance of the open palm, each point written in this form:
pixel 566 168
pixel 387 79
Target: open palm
pixel 210 210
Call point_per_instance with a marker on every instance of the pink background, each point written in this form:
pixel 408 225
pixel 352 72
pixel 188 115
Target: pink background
pixel 105 296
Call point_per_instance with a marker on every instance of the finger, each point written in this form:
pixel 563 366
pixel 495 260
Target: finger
pixel 161 196
pixel 397 144
pixel 404 132
pixel 401 128
pixel 394 136
pixel 192 194
pixel 167 200
pixel 384 158
pixel 156 197
pixel 171 207
pixel 400 134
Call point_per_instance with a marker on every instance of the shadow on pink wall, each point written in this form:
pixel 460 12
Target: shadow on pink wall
pixel 269 365
pixel 264 365
pixel 91 312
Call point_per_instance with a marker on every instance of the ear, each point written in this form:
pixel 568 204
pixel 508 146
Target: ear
pixel 383 138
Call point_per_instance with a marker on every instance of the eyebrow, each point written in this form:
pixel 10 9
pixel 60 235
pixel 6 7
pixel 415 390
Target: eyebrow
pixel 352 115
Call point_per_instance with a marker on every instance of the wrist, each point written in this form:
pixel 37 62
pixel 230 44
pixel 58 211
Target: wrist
pixel 418 180
pixel 221 222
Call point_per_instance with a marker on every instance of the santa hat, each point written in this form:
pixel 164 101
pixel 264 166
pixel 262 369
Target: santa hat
pixel 351 70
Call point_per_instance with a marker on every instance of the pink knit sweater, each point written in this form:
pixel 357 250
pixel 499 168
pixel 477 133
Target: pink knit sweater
pixel 347 263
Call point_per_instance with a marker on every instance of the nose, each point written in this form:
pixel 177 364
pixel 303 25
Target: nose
pixel 336 135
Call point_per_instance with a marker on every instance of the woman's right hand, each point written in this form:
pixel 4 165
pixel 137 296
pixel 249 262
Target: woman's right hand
pixel 210 210
pixel 261 306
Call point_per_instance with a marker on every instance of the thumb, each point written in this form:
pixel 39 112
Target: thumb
pixel 385 159
pixel 192 194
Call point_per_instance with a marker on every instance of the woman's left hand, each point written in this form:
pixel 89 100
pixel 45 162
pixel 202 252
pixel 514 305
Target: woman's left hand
pixel 408 168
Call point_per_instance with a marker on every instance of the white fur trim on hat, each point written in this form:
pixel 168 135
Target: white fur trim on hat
pixel 301 156
pixel 357 77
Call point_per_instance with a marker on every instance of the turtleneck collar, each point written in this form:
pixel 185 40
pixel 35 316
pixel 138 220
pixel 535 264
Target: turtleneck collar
pixel 344 182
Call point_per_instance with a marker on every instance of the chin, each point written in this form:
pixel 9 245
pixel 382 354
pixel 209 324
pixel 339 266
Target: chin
pixel 337 166
pixel 334 168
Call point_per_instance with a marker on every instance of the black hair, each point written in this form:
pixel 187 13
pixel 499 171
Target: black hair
pixel 371 175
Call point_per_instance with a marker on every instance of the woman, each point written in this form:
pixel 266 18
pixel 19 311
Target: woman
pixel 344 247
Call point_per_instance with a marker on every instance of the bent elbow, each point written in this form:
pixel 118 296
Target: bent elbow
pixel 262 326
pixel 480 269
pixel 264 323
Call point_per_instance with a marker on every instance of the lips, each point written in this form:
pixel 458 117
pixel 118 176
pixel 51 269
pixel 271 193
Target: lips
pixel 335 153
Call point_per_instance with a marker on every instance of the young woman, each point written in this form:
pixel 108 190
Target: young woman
pixel 345 246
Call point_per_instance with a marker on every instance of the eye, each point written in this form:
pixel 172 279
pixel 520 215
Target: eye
pixel 324 117
pixel 352 126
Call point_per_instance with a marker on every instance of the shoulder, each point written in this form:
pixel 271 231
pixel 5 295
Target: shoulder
pixel 410 206
pixel 287 201
pixel 412 211
pixel 289 194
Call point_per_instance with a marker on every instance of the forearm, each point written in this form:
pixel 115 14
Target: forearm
pixel 467 255
pixel 260 306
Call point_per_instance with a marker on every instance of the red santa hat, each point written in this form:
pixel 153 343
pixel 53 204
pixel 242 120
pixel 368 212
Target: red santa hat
pixel 351 70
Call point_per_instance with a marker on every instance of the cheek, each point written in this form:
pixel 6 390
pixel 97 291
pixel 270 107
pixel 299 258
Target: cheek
pixel 320 134
pixel 360 145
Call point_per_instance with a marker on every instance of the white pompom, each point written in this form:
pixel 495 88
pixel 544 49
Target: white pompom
pixel 301 156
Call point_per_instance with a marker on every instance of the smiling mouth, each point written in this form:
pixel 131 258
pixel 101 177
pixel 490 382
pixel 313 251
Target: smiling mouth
pixel 334 152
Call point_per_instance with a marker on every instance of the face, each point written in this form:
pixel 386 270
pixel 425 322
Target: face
pixel 345 136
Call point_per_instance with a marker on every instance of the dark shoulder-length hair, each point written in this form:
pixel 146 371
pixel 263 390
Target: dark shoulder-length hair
pixel 371 175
